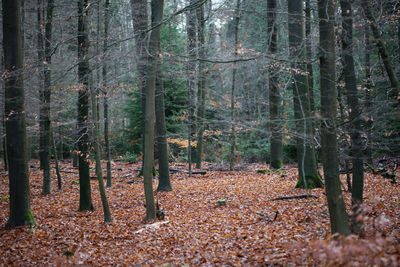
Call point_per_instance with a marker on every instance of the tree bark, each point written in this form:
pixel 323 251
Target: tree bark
pixel 337 209
pixel 105 93
pixel 368 96
pixel 140 25
pixel 164 183
pixel 191 73
pixel 157 7
pixel 20 213
pixel 85 200
pixel 276 155
pixel 352 99
pixel 201 88
pixel 53 144
pixel 306 160
pixel 232 136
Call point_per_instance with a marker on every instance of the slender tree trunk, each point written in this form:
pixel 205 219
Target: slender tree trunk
pixel 164 183
pixel 157 7
pixel 394 92
pixel 232 157
pixel 85 200
pixel 201 88
pixel 368 97
pixel 276 155
pixel 140 24
pixel 105 88
pixel 310 72
pixel 20 213
pixel 337 209
pixel 306 160
pixel 96 145
pixel 352 99
pixel 191 72
pixel 53 144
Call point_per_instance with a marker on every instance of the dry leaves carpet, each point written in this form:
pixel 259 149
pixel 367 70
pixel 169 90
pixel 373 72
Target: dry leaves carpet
pixel 250 229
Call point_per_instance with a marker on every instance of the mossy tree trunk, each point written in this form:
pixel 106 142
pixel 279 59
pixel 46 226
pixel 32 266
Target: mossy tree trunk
pixel 20 213
pixel 85 197
pixel 276 155
pixel 337 209
pixel 306 160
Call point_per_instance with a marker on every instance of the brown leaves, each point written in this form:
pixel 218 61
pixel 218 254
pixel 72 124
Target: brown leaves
pixel 244 231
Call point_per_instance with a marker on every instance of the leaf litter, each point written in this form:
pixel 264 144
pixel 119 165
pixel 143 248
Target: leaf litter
pixel 250 229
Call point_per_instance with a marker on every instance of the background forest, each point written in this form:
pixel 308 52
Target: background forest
pixel 177 88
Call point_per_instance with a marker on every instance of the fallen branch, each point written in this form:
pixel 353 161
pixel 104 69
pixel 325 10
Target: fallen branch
pixel 295 197
pixel 151 226
pixel 180 171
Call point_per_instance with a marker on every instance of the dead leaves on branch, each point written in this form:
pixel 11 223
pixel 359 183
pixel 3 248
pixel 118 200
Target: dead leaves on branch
pixel 249 229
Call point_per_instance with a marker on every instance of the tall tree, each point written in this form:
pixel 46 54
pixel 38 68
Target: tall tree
pixel 352 99
pixel 236 21
pixel 337 209
pixel 276 154
pixel 140 25
pixel 395 90
pixel 45 91
pixel 85 200
pixel 164 183
pixel 191 71
pixel 157 7
pixel 105 92
pixel 201 85
pixel 306 160
pixel 20 213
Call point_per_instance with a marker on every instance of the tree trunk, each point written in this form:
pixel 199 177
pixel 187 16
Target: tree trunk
pixel 164 183
pixel 53 144
pixel 352 99
pixel 310 72
pixel 337 209
pixel 201 88
pixel 232 157
pixel 157 7
pixel 368 96
pixel 105 88
pixel 85 200
pixel 20 213
pixel 140 25
pixel 307 164
pixel 394 92
pixel 276 155
pixel 191 72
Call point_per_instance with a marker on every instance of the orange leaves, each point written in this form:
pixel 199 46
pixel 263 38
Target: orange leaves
pixel 196 231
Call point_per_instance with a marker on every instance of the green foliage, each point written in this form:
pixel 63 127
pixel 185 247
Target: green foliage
pixel 28 219
pixel 253 147
pixel 129 157
pixel 3 198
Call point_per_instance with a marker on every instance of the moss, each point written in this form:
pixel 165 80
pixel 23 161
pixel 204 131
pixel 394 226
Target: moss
pixel 28 219
pixel 313 181
pixel 264 171
pixel 276 164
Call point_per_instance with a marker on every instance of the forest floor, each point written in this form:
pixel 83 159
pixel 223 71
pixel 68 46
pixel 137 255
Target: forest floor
pixel 251 229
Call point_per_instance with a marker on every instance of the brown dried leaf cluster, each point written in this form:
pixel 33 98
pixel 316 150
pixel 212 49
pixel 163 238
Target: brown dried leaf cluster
pixel 197 231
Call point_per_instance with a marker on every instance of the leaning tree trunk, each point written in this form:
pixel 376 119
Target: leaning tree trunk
pixel 394 92
pixel 201 88
pixel 105 92
pixel 85 200
pixel 152 68
pixel 306 160
pixel 352 99
pixel 232 136
pixel 276 155
pixel 20 213
pixel 337 209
